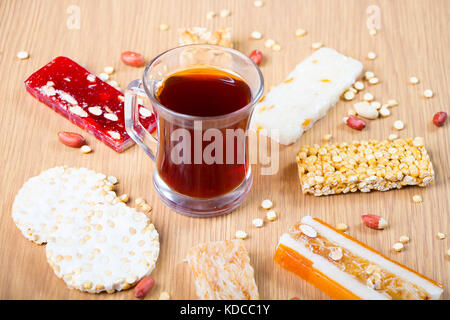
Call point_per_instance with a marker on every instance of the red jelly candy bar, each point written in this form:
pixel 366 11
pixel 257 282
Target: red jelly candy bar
pixel 86 101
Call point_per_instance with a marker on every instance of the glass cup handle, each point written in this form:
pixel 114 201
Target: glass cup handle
pixel 134 128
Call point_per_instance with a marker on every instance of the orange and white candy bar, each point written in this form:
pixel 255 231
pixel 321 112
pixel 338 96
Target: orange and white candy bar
pixel 222 271
pixel 344 268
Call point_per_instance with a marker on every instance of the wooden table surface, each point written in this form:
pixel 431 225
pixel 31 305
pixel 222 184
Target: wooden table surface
pixel 413 41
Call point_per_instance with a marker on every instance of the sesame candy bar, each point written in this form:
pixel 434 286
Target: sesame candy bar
pixel 364 166
pixel 344 268
pixel 85 100
pixel 305 96
pixel 222 271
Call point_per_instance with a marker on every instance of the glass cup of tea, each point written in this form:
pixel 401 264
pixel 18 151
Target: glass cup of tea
pixel 203 97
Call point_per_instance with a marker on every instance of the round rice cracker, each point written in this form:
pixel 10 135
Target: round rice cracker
pixel 44 201
pixel 107 248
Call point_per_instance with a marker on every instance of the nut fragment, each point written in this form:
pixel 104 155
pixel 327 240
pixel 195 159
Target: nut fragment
pixel 316 45
pixel 349 95
pixel 341 227
pixel 269 43
pixel 146 207
pixel 300 32
pixel 258 222
pixel 86 149
pixel 369 74
pixel 276 47
pixel 164 27
pixel 258 3
pixel 225 13
pixel 374 80
pixel 164 296
pixel 124 198
pixel 441 236
pixel 417 198
pixel 267 204
pixel 327 137
pixel 308 230
pixel 428 93
pixel 404 239
pixel 358 85
pixel 399 125
pixel 210 15
pixel 139 201
pixel 385 112
pixel 240 234
pixel 392 103
pixel 256 35
pixel 371 55
pixel 413 80
pixel 398 246
pixel 109 69
pixel 103 76
pixel 368 97
pixel 23 55
pixel 393 136
pixel 271 215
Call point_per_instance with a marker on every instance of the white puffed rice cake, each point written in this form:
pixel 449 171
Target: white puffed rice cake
pixel 309 91
pixel 104 248
pixel 42 200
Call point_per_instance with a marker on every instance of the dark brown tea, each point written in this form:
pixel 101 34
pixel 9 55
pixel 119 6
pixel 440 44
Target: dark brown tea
pixel 203 92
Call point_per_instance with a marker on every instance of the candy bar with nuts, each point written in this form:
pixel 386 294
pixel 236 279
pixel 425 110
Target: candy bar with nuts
pixel 344 268
pixel 222 271
pixel 85 100
pixel 364 166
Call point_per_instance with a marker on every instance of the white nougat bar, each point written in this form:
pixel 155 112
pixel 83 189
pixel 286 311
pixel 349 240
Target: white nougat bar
pixel 306 95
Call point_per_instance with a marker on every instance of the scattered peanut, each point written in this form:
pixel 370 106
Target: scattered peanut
pixel 368 97
pixel 428 93
pixel 316 45
pixel 392 103
pixel 146 208
pixel 439 118
pixel 139 201
pixel 267 204
pixel 385 112
pixel 413 80
pixel 258 3
pixel 398 246
pixel 393 136
pixel 399 125
pixel 269 43
pixel 271 215
pixel 417 198
pixel 124 198
pixel 341 227
pixel 143 287
pixel 358 85
pixel 371 55
pixel 240 234
pixel 300 32
pixel 366 110
pixel 225 13
pixel 369 74
pixel 256 35
pixel 374 80
pixel 164 27
pixel 23 55
pixel 108 69
pixel 258 222
pixel 349 95
pixel 86 149
pixel 441 236
pixel 164 296
pixel 327 137
pixel 210 15
pixel 354 122
pixel 404 239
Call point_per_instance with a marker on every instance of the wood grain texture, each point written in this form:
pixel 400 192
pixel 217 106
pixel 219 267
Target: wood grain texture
pixel 413 40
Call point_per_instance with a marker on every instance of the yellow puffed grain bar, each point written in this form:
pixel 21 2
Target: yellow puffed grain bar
pixel 364 166
pixel 222 271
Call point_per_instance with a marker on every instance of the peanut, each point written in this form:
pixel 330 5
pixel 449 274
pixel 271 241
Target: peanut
pixel 133 59
pixel 71 139
pixel 355 122
pixel 143 287
pixel 440 118
pixel 256 56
